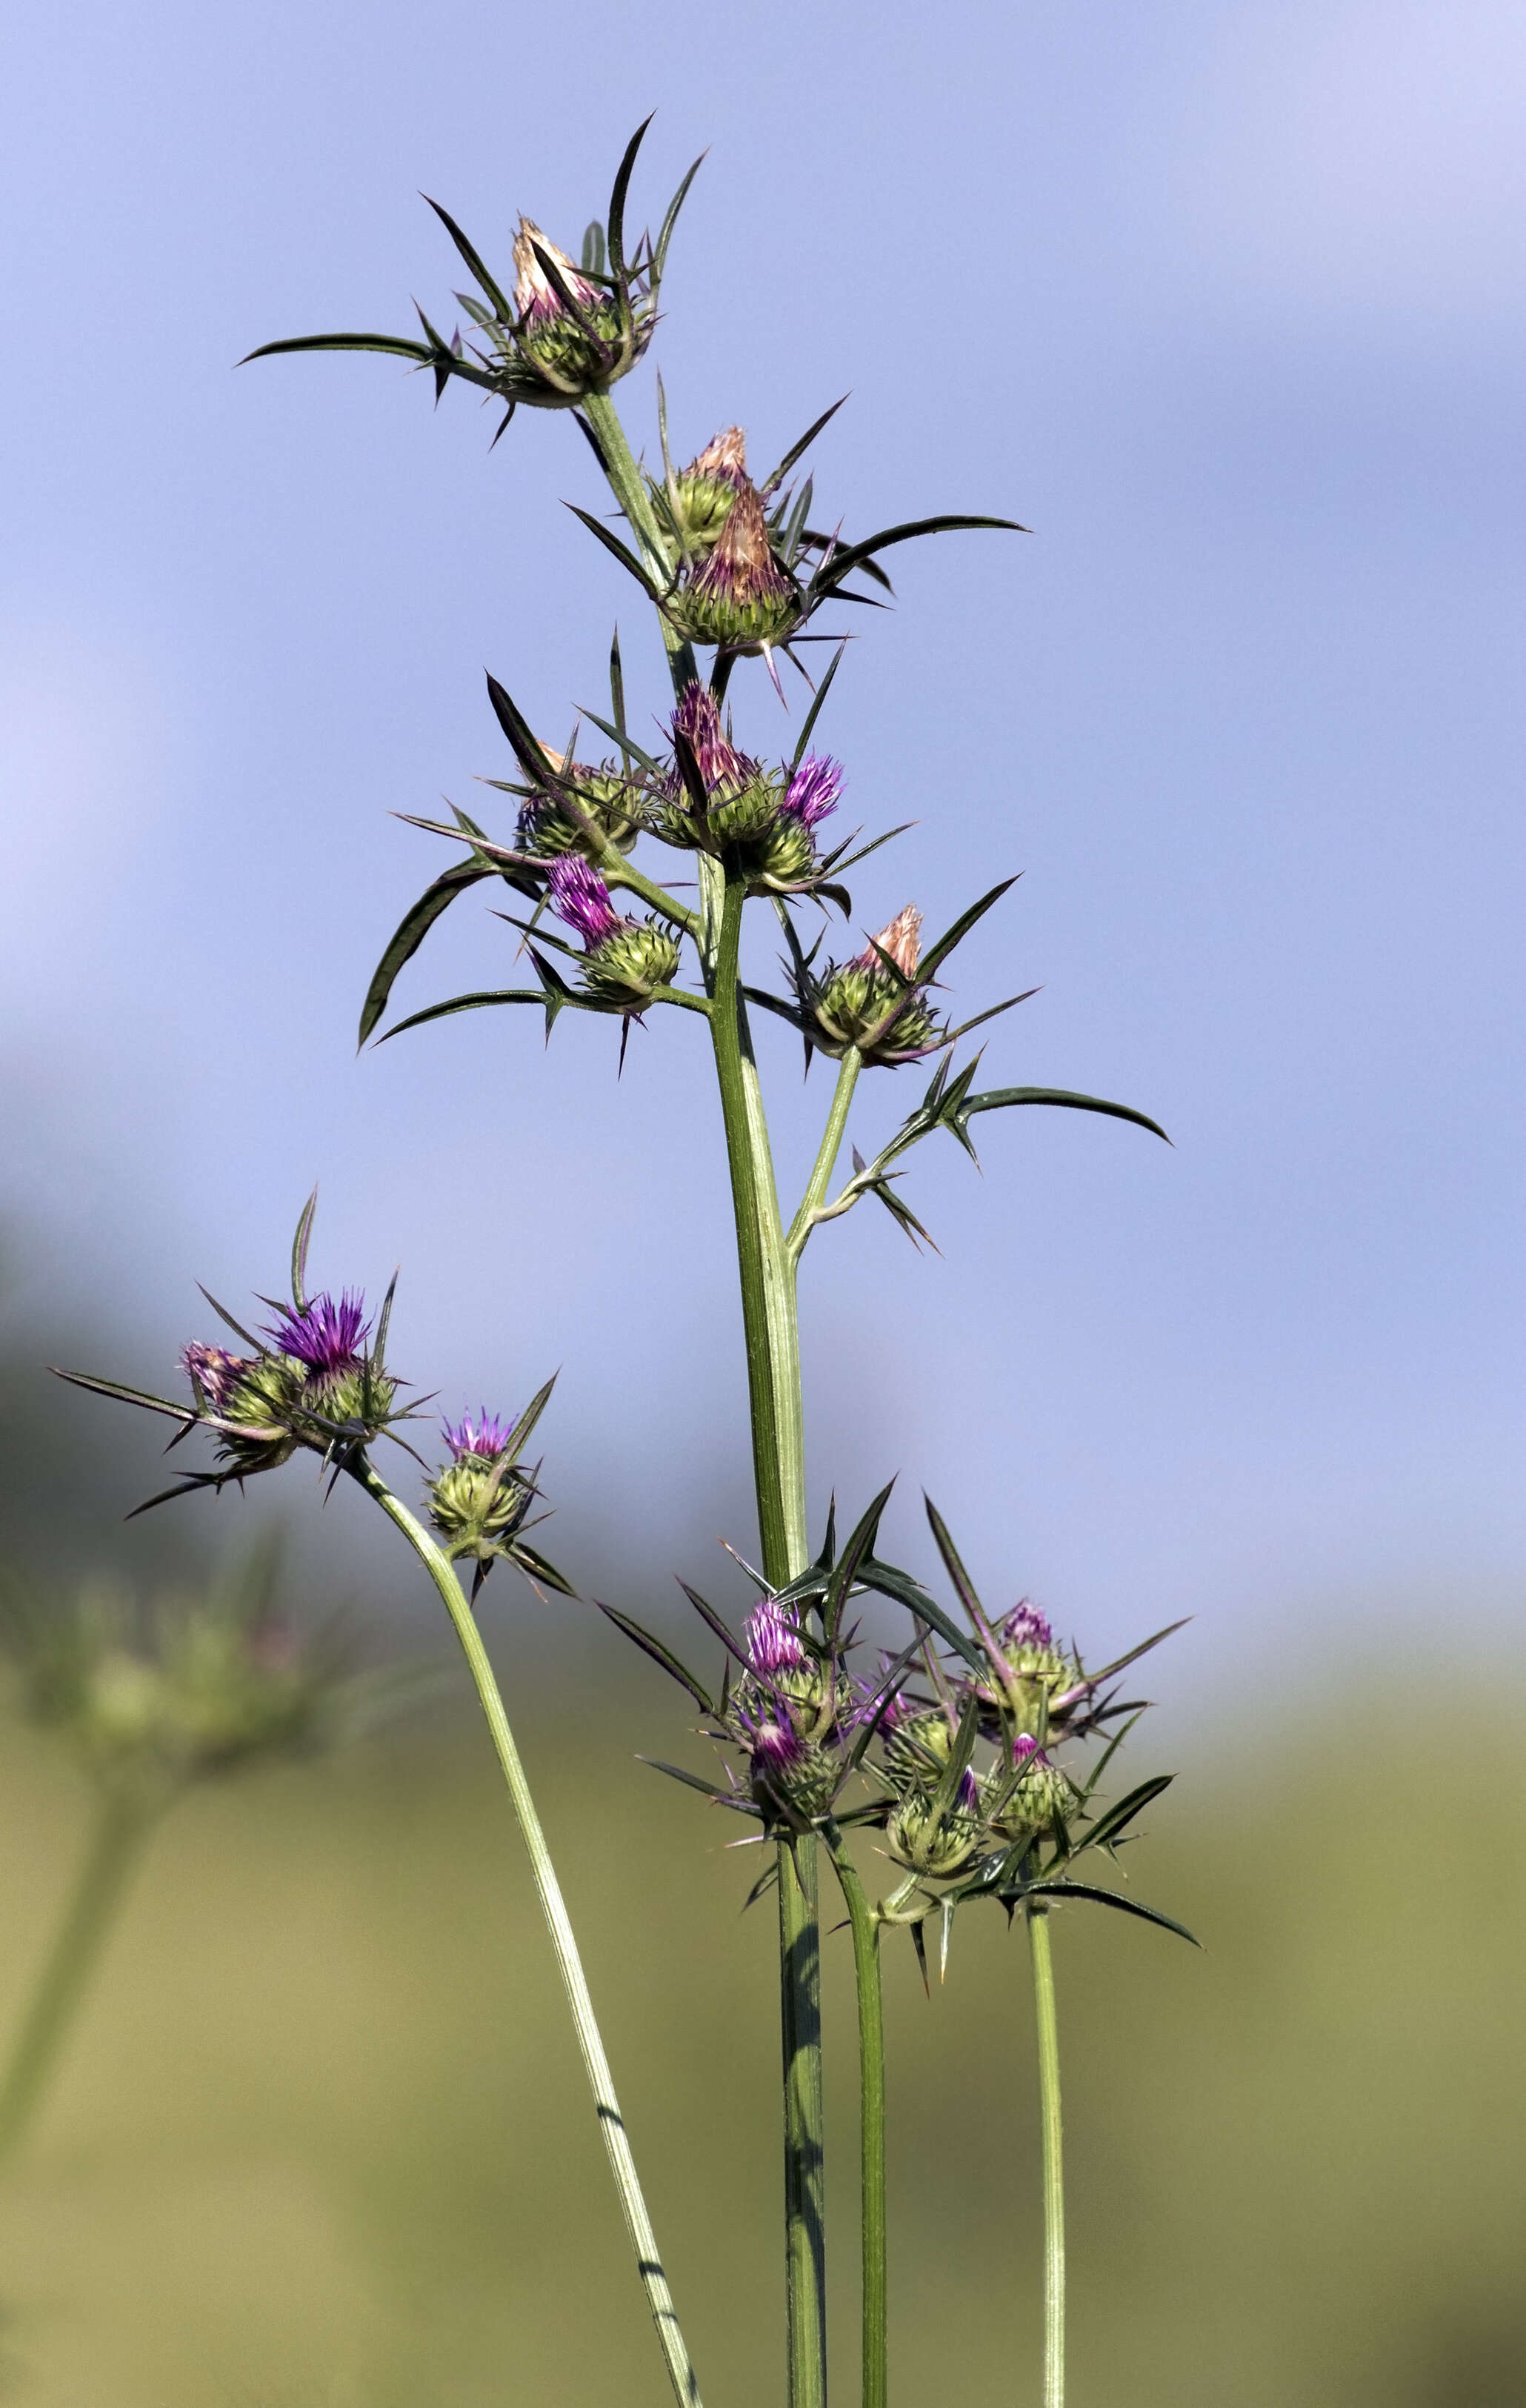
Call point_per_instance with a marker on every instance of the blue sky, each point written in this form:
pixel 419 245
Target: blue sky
pixel 1224 302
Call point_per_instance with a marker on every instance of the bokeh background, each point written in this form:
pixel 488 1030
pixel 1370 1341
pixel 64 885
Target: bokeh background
pixel 1223 300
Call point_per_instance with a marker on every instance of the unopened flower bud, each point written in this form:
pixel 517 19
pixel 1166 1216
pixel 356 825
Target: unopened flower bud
pixel 931 1842
pixel 918 1746
pixel 739 599
pixel 1034 1672
pixel 579 338
pixel 864 1003
pixel 605 796
pixel 1025 1801
pixel 479 1500
pixel 697 501
pixel 793 1778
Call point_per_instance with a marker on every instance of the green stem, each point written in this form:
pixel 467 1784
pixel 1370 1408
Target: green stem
pixel 865 1929
pixel 769 1317
pixel 629 488
pixel 601 2082
pixel 121 1827
pixel 805 2190
pixel 1054 2181
pixel 820 1178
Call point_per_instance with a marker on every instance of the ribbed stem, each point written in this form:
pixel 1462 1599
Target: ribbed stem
pixel 865 1924
pixel 1054 2181
pixel 121 1827
pixel 601 2082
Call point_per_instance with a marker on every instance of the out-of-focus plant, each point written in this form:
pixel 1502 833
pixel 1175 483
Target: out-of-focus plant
pixel 603 834
pixel 149 1699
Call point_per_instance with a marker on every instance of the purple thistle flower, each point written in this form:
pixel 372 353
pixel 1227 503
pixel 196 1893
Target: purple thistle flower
pixel 1026 1751
pixel 580 896
pixel 775 1747
pixel 214 1371
pixel 1025 1626
pixel 697 719
pixel 486 1436
pixel 773 1641
pixel 813 789
pixel 325 1336
pixel 968 1795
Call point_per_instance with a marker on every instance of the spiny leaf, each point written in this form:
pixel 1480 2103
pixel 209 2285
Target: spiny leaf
pixel 804 443
pixel 612 543
pixel 299 1251
pixel 844 562
pixel 1108 1825
pixel 998 1098
pixel 462 1003
pixel 617 202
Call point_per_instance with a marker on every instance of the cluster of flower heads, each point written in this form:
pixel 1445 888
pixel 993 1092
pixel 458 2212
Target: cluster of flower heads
pixel 951 1755
pixel 314 1379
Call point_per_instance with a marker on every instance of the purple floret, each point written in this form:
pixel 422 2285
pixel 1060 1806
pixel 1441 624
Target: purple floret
pixel 697 719
pixel 486 1436
pixel 580 896
pixel 813 789
pixel 773 1642
pixel 1025 1626
pixel 326 1336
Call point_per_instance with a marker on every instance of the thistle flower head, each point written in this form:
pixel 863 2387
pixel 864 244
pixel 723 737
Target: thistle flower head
pixel 739 599
pixel 326 1336
pixel 697 719
pixel 484 1436
pixel 1025 1629
pixel 604 797
pixel 813 790
pixel 626 960
pixel 794 1777
pixel 580 896
pixel 695 502
pixel 213 1372
pixel 535 297
pixel 901 940
pixel 873 1001
pixel 773 1642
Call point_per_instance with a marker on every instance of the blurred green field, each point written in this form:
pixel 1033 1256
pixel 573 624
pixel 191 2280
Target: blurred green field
pixel 322 2136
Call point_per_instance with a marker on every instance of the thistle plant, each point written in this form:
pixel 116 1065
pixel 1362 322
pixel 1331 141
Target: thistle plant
pixel 959 1752
pixel 152 1700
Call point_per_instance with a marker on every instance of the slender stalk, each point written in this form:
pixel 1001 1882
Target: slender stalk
pixel 820 1178
pixel 866 1929
pixel 601 2082
pixel 122 1826
pixel 1054 2182
pixel 628 486
pixel 771 1333
pixel 773 1358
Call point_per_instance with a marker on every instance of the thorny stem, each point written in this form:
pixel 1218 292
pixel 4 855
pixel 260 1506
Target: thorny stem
pixel 864 1923
pixel 1054 2184
pixel 820 1178
pixel 122 1826
pixel 601 2082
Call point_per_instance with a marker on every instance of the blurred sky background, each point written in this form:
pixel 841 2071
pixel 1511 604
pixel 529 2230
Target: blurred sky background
pixel 1221 299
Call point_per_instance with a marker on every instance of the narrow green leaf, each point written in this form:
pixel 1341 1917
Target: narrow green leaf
pixel 817 700
pixel 299 1250
pixel 124 1396
pixel 1108 1826
pixel 399 345
pixel 539 1568
pixel 410 935
pixel 461 1003
pixel 1111 1898
pixel 494 292
pixel 691 1781
pixel 804 445
pixel 843 563
pixel 618 198
pixel 659 1654
pixel 659 256
pixel 936 954
pixel 612 543
pixel 998 1098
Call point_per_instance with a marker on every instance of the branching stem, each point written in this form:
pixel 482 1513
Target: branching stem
pixel 601 2082
pixel 820 1178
